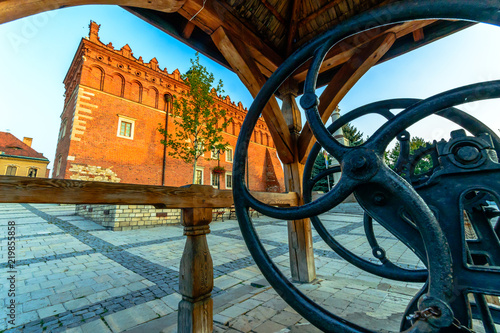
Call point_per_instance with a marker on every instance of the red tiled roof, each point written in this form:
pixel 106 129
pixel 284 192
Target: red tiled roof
pixel 10 145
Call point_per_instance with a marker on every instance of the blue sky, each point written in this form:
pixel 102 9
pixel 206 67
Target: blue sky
pixel 37 51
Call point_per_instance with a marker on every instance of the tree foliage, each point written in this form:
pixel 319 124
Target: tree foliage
pixel 198 122
pixel 319 166
pixel 352 134
pixel 424 164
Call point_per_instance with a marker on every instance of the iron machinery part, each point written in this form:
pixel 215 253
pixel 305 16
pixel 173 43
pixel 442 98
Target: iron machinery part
pixel 369 171
pixel 405 164
pixel 459 189
pixel 386 269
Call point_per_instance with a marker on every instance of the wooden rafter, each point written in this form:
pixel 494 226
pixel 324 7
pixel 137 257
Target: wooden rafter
pixel 320 11
pixel 292 26
pixel 343 51
pixel 188 30
pixel 273 11
pixel 244 65
pixel 215 14
pixel 342 82
pixel 418 35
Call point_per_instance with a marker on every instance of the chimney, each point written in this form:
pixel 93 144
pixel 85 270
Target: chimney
pixel 28 141
pixel 94 31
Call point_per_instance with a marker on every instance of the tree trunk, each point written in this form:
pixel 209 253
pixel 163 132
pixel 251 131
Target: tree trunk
pixel 194 170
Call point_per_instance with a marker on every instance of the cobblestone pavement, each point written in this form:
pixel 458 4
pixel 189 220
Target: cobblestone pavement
pixel 72 275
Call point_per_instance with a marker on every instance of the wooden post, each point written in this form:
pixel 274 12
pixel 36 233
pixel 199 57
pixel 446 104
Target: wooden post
pixel 196 276
pixel 299 231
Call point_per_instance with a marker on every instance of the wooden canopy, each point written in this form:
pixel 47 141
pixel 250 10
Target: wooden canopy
pixel 254 37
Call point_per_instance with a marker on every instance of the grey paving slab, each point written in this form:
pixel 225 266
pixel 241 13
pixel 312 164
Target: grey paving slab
pixel 74 277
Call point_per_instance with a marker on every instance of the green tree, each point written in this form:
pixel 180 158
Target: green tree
pixel 423 165
pixel 198 122
pixel 319 166
pixel 352 134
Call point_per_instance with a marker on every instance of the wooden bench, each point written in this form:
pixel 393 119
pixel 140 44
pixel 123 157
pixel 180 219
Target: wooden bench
pixel 219 213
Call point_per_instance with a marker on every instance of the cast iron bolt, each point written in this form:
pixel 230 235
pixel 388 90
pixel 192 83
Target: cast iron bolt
pixel 379 199
pixel 309 100
pixel 358 163
pixel 467 154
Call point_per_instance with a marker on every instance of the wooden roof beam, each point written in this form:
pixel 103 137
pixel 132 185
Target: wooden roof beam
pixel 188 30
pixel 245 67
pixel 273 11
pixel 13 9
pixel 292 26
pixel 341 83
pixel 418 35
pixel 344 50
pixel 214 14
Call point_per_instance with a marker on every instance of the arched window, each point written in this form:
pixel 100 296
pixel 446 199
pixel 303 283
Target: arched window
pixel 96 77
pixel 152 98
pixel 118 85
pixel 136 91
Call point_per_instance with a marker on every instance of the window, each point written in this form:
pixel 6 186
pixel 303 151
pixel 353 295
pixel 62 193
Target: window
pixel 229 180
pixel 32 172
pixel 199 177
pixel 62 132
pixel 214 179
pixel 11 170
pixel 125 127
pixel 59 162
pixel 229 155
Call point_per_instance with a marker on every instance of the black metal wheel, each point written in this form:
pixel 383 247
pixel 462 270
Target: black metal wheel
pixel 363 170
pixel 405 167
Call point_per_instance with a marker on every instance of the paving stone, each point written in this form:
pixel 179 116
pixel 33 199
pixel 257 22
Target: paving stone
pixel 159 307
pixel 51 310
pixel 96 326
pixel 269 326
pixel 129 318
pixel 36 304
pixel 286 318
pixel 76 303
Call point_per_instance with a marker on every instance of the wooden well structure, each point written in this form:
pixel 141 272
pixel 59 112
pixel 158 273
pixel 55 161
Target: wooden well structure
pixel 252 38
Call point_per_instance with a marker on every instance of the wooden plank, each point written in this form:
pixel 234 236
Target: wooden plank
pixel 341 83
pixel 65 191
pixel 243 64
pixel 13 9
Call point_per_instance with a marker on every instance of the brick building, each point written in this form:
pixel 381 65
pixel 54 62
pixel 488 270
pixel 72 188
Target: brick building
pixel 113 105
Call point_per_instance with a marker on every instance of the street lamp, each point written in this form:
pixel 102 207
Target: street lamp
pixel 218 165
